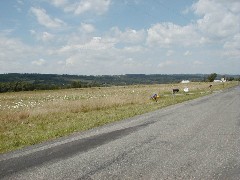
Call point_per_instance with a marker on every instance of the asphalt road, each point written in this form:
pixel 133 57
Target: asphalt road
pixel 199 139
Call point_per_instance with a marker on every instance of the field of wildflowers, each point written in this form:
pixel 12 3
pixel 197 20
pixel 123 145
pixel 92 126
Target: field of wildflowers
pixel 28 118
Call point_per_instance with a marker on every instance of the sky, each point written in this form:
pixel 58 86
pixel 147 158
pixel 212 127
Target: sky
pixel 114 37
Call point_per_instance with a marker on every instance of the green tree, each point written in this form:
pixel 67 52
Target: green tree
pixel 230 78
pixel 212 77
pixel 76 84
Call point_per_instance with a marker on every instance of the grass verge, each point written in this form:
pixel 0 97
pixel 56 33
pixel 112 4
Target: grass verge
pixel 61 115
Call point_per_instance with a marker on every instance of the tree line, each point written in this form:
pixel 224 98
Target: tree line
pixel 14 82
pixel 26 86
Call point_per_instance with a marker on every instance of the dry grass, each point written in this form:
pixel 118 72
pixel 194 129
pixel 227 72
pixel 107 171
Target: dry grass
pixel 31 117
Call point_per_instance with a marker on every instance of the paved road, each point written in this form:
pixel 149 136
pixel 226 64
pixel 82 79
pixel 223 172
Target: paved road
pixel 199 139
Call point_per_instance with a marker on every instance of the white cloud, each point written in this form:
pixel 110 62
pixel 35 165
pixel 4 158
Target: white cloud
pixel 20 2
pixel 98 43
pixel 82 6
pixel 32 32
pixel 203 7
pixel 166 63
pixel 134 49
pixel 187 53
pixel 129 35
pixel 61 62
pixel 101 46
pixel 59 3
pixel 39 62
pixel 234 43
pixel 169 34
pixel 6 32
pixel 165 47
pixel 94 44
pixel 232 47
pixel 70 61
pixel 218 27
pixel 97 6
pixel 15 55
pixel 47 36
pixel 220 19
pixel 42 36
pixel 45 20
pixel 87 28
pixel 219 24
pixel 11 46
pixel 19 6
pixel 186 10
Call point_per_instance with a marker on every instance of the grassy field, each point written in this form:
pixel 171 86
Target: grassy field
pixel 28 118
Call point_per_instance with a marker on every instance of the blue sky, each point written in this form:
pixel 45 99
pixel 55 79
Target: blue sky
pixel 99 37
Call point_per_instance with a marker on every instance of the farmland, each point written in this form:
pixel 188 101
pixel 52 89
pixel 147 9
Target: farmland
pixel 32 117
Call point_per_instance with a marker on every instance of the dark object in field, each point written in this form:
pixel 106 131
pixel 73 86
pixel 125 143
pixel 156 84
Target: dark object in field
pixel 210 86
pixel 175 91
pixel 155 97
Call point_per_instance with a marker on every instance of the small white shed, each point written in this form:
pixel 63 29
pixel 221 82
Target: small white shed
pixel 185 81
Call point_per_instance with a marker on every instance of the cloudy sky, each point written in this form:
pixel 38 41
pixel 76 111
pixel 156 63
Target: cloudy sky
pixel 99 37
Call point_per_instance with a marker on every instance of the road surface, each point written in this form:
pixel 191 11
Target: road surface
pixel 198 139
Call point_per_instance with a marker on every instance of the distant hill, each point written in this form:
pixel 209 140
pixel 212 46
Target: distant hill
pixel 25 82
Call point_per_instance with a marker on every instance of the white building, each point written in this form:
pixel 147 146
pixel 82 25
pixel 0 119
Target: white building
pixel 222 80
pixel 185 81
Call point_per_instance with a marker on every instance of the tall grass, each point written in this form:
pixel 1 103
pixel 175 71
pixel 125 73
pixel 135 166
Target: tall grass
pixel 28 118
